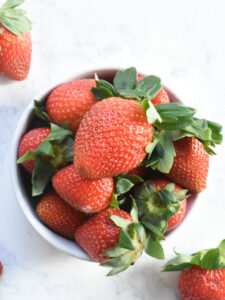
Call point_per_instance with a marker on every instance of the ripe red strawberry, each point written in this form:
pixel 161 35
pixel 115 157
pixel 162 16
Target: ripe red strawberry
pixel 15 42
pixel 162 96
pixel 30 142
pixel 58 215
pixel 198 283
pixel 202 274
pixel 140 171
pixel 84 194
pixel 99 233
pixel 1 268
pixel 173 222
pixel 190 166
pixel 69 102
pixel 111 138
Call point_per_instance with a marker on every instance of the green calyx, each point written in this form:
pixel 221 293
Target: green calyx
pixel 212 259
pixel 131 243
pixel 52 154
pixel 15 20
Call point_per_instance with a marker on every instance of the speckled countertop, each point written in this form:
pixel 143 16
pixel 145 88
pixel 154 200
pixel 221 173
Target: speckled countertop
pixel 181 41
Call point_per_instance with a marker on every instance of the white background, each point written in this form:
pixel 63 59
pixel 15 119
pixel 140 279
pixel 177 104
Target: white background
pixel 181 41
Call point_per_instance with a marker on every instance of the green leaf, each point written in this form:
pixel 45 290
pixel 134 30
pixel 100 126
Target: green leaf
pixel 40 111
pixel 179 263
pixel 140 231
pixel 133 178
pixel 27 156
pixel 57 133
pixel 149 86
pixel 125 80
pixel 154 248
pixel 118 270
pixel 152 114
pixel 123 185
pixel 43 171
pixel 211 260
pixel 114 201
pixel 45 148
pixel 12 3
pixel 134 211
pixel 115 252
pixel 120 222
pixel 125 240
pixel 153 229
pixel 166 197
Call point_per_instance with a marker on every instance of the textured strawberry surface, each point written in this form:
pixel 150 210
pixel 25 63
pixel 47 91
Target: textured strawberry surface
pixel 191 164
pixel 173 222
pixel 99 233
pixel 111 138
pixel 84 194
pixel 58 215
pixel 197 284
pixel 68 102
pixel 15 55
pixel 30 142
pixel 162 96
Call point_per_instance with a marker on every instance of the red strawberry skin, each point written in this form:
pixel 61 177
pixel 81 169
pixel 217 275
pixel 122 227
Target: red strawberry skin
pixel 84 194
pixel 140 171
pixel 15 58
pixel 191 164
pixel 162 96
pixel 198 283
pixel 58 215
pixel 30 142
pixel 68 102
pixel 111 138
pixel 173 222
pixel 99 233
pixel 1 268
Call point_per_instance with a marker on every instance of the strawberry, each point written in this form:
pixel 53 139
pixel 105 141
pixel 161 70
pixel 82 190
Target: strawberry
pixel 173 222
pixel 15 41
pixel 84 194
pixel 113 238
pixel 160 203
pixel 44 151
pixel 139 171
pixel 111 138
pixel 30 142
pixel 161 97
pixel 68 102
pixel 191 163
pixel 58 215
pixel 202 274
pixel 1 268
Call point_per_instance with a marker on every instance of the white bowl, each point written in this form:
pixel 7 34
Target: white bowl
pixel 21 185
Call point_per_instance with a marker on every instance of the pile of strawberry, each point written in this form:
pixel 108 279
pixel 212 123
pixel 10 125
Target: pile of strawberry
pixel 115 163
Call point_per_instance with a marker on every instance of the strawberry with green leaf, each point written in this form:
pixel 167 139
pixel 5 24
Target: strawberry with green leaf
pixel 43 151
pixel 84 194
pixel 58 215
pixel 161 204
pixel 114 238
pixel 15 41
pixel 202 274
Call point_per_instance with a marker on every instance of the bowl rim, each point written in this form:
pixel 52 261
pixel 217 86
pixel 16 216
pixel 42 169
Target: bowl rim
pixel 66 246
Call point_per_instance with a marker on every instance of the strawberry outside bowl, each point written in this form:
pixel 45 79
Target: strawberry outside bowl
pixel 21 179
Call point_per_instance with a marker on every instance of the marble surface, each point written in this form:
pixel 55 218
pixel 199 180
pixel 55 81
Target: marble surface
pixel 181 41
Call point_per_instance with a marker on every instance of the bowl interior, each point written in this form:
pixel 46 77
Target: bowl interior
pixel 21 179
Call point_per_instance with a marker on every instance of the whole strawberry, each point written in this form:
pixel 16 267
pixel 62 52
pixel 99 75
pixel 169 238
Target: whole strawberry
pixel 58 215
pixel 68 102
pixel 84 194
pixel 30 142
pixel 113 238
pixel 160 203
pixel 161 97
pixel 15 41
pixel 176 219
pixel 111 138
pixel 202 274
pixel 191 164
